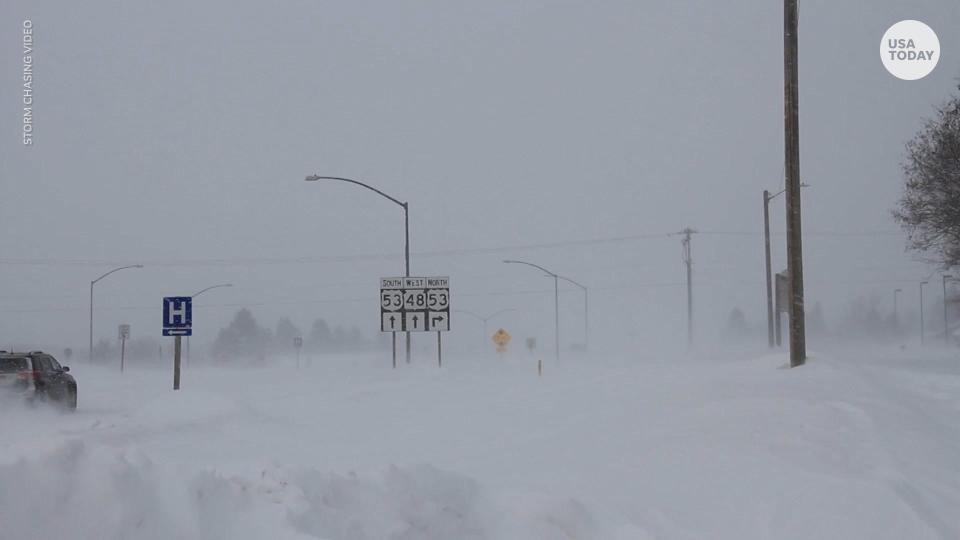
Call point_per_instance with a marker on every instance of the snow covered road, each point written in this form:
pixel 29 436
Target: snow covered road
pixel 854 445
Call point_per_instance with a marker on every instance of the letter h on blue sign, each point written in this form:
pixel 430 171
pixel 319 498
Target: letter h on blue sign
pixel 177 315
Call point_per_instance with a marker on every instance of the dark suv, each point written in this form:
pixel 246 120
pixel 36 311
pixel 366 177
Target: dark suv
pixel 37 376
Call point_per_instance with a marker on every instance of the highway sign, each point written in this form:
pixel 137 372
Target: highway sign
pixel 413 321
pixel 298 342
pixel 415 304
pixel 438 321
pixel 123 332
pixel 178 316
pixel 391 322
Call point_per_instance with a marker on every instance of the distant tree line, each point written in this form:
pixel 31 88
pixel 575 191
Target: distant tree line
pixel 140 350
pixel 863 318
pixel 245 338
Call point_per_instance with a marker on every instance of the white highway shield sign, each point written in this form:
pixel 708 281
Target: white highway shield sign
pixel 415 304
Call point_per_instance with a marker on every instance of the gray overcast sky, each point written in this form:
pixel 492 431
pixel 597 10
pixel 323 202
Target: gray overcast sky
pixel 177 134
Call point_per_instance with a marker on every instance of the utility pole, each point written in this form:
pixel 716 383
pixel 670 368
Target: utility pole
pixel 798 346
pixel 688 260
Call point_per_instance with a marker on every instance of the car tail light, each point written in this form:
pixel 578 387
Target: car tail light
pixel 26 376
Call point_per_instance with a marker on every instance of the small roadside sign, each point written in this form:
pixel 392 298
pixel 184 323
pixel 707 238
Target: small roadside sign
pixel 177 322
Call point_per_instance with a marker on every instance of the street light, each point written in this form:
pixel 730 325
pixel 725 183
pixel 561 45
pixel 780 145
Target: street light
pixel 895 292
pixel 484 319
pixel 406 227
pixel 556 301
pixel 922 283
pixel 767 197
pixel 946 329
pixel 92 283
pixel 586 312
pixel 196 294
pixel 201 291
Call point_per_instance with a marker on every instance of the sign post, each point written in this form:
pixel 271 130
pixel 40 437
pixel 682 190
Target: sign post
pixel 177 322
pixel 123 333
pixel 298 344
pixel 415 304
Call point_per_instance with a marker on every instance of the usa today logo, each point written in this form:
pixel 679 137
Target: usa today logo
pixel 910 50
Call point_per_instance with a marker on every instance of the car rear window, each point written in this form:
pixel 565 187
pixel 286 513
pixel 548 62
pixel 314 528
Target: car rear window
pixel 13 365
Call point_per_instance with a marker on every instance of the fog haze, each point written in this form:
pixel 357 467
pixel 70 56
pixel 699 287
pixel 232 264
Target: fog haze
pixel 573 135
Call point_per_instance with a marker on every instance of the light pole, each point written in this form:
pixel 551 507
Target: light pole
pixel 922 283
pixel 767 197
pixel 556 301
pixel 895 321
pixel 484 320
pixel 196 294
pixel 586 311
pixel 946 328
pixel 406 225
pixel 92 283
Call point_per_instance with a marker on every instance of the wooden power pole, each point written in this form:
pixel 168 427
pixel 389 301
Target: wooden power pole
pixel 798 348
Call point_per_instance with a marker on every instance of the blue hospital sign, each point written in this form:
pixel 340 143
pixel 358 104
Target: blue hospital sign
pixel 177 316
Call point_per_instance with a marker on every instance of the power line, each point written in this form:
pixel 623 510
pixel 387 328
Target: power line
pixel 250 261
pixel 338 300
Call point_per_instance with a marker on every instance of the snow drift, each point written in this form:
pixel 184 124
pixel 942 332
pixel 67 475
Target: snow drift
pixel 80 491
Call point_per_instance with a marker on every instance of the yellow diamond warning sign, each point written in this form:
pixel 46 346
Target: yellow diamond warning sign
pixel 501 338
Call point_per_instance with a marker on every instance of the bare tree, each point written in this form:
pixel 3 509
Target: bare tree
pixel 930 208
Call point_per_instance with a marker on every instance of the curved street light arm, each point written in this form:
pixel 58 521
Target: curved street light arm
pixel 116 270
pixel 313 178
pixel 201 291
pixel 551 274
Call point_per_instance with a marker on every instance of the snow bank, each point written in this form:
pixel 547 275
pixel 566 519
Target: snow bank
pixel 87 492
